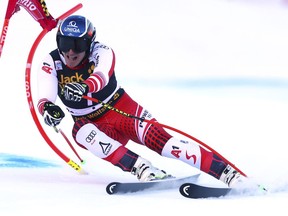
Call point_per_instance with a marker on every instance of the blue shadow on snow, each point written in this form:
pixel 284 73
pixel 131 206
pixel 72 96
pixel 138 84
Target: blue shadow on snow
pixel 19 161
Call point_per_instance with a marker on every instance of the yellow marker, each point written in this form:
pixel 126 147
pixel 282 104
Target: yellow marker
pixel 76 167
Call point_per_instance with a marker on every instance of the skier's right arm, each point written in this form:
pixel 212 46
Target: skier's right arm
pixel 47 93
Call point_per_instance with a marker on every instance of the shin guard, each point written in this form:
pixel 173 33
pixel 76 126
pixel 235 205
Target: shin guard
pixel 188 152
pixel 94 140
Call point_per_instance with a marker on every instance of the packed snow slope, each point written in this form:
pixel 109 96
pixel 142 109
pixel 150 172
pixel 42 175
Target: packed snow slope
pixel 215 69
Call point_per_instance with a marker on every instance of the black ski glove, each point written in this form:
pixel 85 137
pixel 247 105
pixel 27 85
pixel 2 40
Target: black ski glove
pixel 74 91
pixel 53 114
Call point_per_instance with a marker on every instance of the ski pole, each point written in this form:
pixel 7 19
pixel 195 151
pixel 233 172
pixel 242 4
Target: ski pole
pixel 58 130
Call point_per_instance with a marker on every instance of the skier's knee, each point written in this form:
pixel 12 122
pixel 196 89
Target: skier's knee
pixel 87 135
pixel 77 125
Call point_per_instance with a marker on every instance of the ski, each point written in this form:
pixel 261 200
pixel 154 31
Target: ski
pixel 130 187
pixel 196 191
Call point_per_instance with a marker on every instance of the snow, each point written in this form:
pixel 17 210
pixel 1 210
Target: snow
pixel 229 59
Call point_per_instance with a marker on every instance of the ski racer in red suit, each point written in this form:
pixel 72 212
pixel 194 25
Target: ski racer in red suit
pixel 82 66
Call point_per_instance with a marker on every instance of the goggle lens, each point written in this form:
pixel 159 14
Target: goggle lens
pixel 78 45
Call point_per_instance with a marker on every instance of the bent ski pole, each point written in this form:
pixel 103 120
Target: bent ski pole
pixel 70 162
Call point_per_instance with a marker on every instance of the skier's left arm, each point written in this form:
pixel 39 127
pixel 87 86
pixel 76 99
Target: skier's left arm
pixel 104 60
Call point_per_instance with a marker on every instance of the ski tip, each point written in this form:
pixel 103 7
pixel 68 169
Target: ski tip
pixel 196 191
pixel 111 188
pixel 185 190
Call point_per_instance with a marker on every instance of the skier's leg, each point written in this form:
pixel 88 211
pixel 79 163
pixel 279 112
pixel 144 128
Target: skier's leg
pixel 88 136
pixel 196 156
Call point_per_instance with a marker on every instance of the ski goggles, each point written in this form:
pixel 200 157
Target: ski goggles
pixel 78 45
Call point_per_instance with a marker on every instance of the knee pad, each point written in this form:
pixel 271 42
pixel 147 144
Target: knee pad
pixel 90 137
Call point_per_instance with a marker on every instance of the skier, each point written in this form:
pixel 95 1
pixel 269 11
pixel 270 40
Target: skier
pixel 83 66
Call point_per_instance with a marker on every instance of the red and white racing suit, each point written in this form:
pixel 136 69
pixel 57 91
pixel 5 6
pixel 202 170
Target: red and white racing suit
pixel 105 132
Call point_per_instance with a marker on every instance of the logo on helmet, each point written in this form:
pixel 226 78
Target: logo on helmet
pixel 72 27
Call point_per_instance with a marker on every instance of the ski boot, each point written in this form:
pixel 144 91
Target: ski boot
pixel 145 171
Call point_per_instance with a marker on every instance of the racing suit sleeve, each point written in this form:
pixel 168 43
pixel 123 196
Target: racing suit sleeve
pixel 104 60
pixel 47 83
